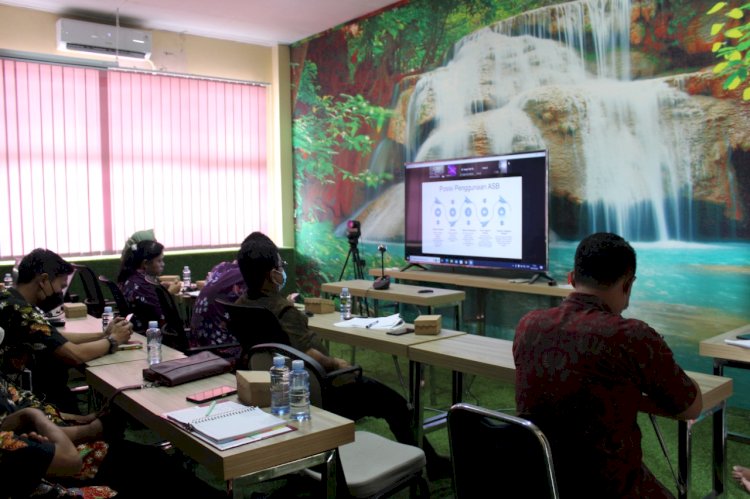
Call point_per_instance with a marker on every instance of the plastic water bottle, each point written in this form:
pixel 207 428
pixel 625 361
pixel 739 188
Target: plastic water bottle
pixel 8 281
pixel 153 343
pixel 279 387
pixel 345 304
pixel 186 278
pixel 299 392
pixel 107 317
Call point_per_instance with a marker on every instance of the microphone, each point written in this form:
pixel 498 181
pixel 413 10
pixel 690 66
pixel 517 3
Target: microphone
pixel 384 281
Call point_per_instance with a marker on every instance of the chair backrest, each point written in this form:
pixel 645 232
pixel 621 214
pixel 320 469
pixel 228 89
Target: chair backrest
pixel 260 358
pixel 173 331
pixel 252 326
pixel 94 297
pixel 120 302
pixel 514 453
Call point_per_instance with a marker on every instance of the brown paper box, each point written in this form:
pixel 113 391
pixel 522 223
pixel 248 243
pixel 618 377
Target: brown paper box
pixel 254 388
pixel 319 305
pixel 74 310
pixel 427 324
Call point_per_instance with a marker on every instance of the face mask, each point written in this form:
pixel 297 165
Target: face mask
pixel 51 302
pixel 283 279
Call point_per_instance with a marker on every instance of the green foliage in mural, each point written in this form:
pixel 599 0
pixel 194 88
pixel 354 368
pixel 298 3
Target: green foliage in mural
pixel 324 126
pixel 412 37
pixel 734 49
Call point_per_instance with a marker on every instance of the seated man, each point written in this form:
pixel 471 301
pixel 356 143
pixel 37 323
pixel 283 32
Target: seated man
pixel 583 372
pixel 208 325
pixel 31 342
pixel 264 274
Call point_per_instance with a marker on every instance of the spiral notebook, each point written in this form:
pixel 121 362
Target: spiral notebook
pixel 229 423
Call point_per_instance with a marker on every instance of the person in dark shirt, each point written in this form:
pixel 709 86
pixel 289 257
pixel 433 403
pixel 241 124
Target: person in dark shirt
pixel 32 343
pixel 263 270
pixel 583 372
pixel 141 264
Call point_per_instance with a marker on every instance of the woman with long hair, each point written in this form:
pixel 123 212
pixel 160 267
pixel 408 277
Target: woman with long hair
pixel 140 266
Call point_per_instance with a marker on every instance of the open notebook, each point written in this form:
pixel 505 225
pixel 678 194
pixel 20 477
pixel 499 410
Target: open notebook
pixel 229 424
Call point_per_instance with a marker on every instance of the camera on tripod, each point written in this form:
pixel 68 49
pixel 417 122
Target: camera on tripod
pixel 353 231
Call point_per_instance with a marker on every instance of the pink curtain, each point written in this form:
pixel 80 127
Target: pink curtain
pixel 89 156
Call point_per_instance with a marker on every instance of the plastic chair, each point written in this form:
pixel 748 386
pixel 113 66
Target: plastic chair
pixel 514 453
pixel 123 308
pixel 94 301
pixel 372 466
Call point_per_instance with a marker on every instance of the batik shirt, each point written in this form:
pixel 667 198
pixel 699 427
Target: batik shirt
pixel 30 342
pixel 209 320
pixel 143 300
pixel 581 372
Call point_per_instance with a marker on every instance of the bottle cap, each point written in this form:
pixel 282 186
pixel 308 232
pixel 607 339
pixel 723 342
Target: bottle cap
pixel 153 325
pixel 344 290
pixel 107 310
pixel 279 361
pixel 298 365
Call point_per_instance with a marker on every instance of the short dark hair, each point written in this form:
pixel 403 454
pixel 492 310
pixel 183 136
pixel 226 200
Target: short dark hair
pixel 132 258
pixel 42 261
pixel 258 255
pixel 603 258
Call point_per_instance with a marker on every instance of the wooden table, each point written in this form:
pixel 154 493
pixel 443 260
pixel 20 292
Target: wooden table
pixel 725 355
pixel 493 358
pixel 82 330
pixel 140 354
pixel 476 281
pixel 401 293
pixel 314 442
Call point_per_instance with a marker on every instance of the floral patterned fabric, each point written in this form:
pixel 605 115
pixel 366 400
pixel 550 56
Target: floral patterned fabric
pixel 209 320
pixel 30 342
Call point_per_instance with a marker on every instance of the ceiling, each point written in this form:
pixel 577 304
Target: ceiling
pixel 263 22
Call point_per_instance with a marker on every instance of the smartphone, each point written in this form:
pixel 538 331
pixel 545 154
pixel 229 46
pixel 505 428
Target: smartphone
pixel 212 394
pixel 403 331
pixel 745 336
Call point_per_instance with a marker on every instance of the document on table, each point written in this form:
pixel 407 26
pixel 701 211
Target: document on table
pixel 388 323
pixel 229 424
pixel 738 343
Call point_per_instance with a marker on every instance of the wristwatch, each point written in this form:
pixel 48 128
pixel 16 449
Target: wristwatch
pixel 112 344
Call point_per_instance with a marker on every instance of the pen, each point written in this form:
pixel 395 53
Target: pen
pixel 210 408
pixel 371 324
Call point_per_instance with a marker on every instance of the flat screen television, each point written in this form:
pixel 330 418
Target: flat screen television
pixel 481 212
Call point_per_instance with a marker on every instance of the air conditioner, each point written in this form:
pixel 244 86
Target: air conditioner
pixel 82 36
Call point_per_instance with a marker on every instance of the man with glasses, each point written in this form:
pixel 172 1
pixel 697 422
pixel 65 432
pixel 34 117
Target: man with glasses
pixel 583 372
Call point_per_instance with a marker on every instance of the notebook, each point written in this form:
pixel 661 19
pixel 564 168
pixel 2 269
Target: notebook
pixel 229 423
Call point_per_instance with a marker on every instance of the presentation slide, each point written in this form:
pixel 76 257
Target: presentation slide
pixel 473 217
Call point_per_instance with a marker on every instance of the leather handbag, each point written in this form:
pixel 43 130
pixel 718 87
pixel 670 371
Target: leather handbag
pixel 179 371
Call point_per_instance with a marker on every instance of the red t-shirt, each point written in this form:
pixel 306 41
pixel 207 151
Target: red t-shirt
pixel 581 371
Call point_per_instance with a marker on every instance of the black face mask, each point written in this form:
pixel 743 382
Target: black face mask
pixel 51 302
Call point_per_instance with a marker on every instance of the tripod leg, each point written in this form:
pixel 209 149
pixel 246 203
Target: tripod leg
pixel 343 269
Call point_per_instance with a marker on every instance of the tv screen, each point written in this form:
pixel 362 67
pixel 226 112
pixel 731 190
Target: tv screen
pixel 483 212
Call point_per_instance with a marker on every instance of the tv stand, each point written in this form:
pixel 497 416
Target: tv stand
pixel 413 265
pixel 543 275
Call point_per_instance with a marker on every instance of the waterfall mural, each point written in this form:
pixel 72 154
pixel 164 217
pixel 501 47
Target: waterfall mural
pixel 642 139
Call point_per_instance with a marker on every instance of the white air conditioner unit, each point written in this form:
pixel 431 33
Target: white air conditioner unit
pixel 82 36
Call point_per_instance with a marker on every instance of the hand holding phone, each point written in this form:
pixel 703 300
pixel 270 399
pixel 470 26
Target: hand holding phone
pixel 212 394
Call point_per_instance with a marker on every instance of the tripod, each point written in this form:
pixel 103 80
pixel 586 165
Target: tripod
pixel 358 272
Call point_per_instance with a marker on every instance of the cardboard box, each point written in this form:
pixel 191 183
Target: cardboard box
pixel 427 324
pixel 319 305
pixel 169 278
pixel 74 310
pixel 254 388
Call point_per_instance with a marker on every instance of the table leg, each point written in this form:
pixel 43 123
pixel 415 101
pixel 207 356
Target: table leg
pixel 458 387
pixel 720 449
pixel 684 444
pixel 416 373
pixel 330 475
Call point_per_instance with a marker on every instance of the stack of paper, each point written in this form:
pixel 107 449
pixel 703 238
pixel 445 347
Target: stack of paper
pixel 390 323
